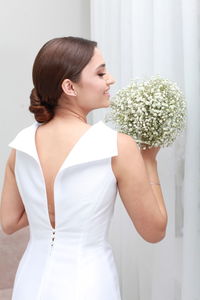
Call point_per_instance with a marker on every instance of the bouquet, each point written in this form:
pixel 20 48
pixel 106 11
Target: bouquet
pixel 152 111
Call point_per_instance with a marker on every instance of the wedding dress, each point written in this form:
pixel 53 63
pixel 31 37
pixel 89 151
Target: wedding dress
pixel 74 261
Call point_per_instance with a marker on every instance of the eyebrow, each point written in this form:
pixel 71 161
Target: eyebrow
pixel 101 66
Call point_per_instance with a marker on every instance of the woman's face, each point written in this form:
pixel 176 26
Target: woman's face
pixel 93 87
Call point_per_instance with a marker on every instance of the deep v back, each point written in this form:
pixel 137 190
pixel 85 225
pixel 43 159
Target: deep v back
pixel 53 150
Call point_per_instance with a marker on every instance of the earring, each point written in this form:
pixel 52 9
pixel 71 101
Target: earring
pixel 75 93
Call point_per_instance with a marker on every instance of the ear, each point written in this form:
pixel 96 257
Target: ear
pixel 68 88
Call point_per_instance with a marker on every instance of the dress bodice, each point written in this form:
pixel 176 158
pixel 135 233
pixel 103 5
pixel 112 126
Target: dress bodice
pixel 84 196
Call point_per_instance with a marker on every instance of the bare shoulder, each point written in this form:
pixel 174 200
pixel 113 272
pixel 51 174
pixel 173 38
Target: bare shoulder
pixel 11 160
pixel 128 154
pixel 126 144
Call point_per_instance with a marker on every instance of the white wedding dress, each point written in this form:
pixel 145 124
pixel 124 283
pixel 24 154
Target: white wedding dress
pixel 74 261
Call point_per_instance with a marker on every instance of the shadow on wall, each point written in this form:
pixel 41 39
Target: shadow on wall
pixel 11 249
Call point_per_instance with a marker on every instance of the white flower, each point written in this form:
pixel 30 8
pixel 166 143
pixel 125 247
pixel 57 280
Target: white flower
pixel 153 112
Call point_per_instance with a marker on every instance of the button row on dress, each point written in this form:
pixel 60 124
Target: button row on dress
pixel 53 238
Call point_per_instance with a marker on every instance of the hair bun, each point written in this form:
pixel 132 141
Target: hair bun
pixel 41 112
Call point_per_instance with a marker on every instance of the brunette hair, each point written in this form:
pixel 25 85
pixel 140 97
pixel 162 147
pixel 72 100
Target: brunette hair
pixel 59 59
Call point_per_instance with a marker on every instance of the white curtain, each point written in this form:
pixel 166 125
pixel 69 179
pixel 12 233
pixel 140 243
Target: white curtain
pixel 141 38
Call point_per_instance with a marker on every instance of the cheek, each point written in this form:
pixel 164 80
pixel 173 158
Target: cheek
pixel 95 84
pixel 88 87
pixel 92 89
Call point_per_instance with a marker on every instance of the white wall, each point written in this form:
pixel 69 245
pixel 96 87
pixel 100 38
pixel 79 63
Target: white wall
pixel 25 25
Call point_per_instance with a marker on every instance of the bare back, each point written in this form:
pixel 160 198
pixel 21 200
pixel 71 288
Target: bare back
pixel 54 142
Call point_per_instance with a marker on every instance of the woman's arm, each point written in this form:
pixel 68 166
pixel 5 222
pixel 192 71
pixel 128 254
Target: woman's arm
pixel 149 157
pixel 12 212
pixel 143 201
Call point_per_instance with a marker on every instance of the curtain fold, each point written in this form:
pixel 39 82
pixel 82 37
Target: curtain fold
pixel 191 230
pixel 141 38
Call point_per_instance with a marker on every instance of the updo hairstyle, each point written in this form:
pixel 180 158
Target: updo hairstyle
pixel 59 59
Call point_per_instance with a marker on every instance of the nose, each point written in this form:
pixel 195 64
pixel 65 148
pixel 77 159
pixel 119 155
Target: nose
pixel 109 79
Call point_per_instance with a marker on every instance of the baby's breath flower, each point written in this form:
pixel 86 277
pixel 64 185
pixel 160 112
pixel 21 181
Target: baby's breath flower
pixel 153 111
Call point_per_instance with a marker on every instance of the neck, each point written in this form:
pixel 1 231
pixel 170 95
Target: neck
pixel 65 113
pixel 77 115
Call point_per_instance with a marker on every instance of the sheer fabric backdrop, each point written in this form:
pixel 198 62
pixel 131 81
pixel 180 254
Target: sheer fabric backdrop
pixel 141 38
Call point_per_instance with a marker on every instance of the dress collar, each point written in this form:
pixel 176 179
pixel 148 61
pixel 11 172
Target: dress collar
pixel 98 142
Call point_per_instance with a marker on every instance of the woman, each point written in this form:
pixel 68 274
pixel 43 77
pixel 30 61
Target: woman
pixel 62 177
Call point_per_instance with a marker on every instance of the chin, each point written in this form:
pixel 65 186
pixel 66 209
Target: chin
pixel 107 103
pixel 103 104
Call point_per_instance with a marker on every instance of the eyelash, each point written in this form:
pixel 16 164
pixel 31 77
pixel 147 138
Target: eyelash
pixel 101 74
